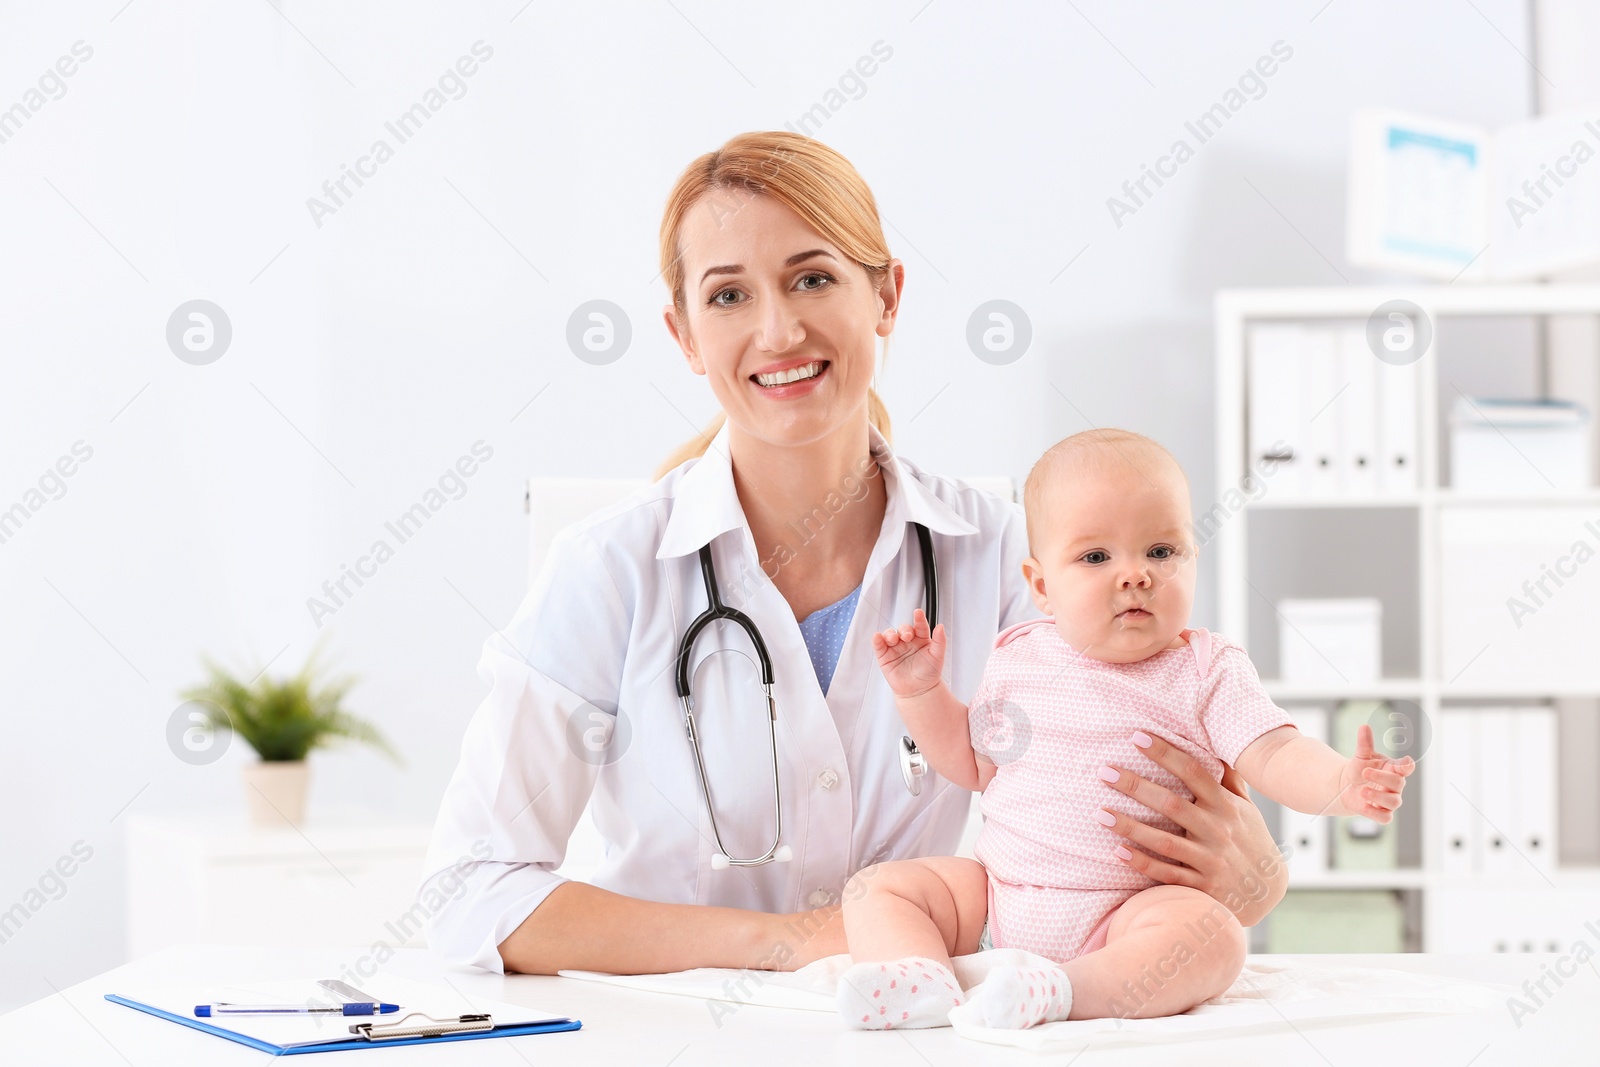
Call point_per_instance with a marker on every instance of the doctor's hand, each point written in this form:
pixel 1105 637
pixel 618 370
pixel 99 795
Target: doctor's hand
pixel 1226 850
pixel 912 659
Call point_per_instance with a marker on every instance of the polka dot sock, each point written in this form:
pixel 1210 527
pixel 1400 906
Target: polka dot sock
pixel 907 994
pixel 1015 998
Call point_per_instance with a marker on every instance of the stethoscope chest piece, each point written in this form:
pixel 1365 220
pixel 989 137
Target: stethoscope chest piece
pixel 913 765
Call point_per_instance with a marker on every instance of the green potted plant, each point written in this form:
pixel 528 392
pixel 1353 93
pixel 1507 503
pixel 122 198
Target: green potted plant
pixel 283 721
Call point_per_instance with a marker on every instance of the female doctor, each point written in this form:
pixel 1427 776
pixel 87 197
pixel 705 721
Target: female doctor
pixel 781 283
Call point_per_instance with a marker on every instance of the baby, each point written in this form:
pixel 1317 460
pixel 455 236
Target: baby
pixel 1114 565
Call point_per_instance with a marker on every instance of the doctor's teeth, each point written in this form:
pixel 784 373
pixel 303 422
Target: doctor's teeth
pixel 794 374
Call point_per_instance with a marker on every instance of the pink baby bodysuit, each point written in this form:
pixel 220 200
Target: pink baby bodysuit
pixel 1049 717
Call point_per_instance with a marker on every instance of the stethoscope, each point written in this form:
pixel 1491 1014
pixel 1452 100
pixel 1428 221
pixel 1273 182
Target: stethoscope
pixel 912 764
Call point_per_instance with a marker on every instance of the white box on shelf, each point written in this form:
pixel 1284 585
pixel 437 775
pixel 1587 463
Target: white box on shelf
pixel 1517 593
pixel 1519 446
pixel 1330 642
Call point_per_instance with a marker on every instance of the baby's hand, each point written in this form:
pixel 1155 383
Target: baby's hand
pixel 912 659
pixel 1371 784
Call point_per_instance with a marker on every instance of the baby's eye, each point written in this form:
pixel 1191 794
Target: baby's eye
pixel 1162 552
pixel 1095 557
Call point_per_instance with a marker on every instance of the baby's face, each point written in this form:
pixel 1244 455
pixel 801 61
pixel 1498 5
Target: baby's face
pixel 1116 563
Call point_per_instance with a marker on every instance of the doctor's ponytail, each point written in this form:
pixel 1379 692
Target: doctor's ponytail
pixel 813 181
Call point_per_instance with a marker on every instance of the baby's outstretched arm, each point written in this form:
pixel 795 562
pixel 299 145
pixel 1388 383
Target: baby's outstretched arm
pixel 912 660
pixel 1308 776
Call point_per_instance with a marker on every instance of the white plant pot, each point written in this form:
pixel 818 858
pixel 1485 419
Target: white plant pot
pixel 276 792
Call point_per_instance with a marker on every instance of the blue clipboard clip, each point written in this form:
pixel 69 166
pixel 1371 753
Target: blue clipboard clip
pixel 430 1027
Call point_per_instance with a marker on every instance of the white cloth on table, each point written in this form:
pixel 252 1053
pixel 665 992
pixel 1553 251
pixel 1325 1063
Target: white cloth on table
pixel 1267 997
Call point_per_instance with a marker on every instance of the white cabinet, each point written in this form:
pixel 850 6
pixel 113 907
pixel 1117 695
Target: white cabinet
pixel 1467 917
pixel 216 880
pixel 1494 598
pixel 1535 559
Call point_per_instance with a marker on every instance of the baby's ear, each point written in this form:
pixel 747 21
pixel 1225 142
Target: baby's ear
pixel 1033 572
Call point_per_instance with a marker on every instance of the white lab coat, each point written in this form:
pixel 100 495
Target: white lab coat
pixel 594 644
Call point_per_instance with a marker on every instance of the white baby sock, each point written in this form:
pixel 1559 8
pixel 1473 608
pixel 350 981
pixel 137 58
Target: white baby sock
pixel 1015 998
pixel 907 994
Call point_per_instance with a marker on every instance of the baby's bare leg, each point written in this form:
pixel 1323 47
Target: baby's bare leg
pixel 933 907
pixel 904 920
pixel 1168 948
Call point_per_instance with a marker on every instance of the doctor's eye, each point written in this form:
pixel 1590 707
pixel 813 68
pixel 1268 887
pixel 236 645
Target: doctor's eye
pixel 816 274
pixel 1095 557
pixel 716 297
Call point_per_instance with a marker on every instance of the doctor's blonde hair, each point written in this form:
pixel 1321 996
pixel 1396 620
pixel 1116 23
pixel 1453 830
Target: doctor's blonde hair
pixel 813 181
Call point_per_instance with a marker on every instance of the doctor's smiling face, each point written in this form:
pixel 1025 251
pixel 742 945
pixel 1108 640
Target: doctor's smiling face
pixel 781 322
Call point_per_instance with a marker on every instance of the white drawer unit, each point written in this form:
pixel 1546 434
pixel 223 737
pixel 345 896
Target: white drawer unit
pixel 200 880
pixel 1518 589
pixel 1528 918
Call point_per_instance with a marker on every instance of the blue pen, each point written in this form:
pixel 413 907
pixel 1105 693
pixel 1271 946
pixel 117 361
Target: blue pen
pixel 205 1011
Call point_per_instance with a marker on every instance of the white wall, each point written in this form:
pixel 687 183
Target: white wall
pixel 426 312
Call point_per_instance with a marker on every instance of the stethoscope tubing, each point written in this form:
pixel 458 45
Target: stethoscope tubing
pixel 913 766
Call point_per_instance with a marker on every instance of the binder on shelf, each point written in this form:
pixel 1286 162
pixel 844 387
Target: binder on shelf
pixel 1395 390
pixel 1496 791
pixel 1356 411
pixel 1534 824
pixel 1455 744
pixel 1360 843
pixel 1274 406
pixel 1306 836
pixel 1320 394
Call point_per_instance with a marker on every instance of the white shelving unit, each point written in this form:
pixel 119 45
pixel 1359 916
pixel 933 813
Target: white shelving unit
pixel 1450 904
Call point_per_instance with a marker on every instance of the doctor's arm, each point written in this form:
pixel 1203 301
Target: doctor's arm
pixel 583 927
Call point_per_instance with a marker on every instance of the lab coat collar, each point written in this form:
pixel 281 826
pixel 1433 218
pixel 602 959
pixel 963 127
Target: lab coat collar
pixel 706 504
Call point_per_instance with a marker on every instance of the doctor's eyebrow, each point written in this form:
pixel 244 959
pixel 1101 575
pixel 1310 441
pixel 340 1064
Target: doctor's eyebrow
pixel 799 257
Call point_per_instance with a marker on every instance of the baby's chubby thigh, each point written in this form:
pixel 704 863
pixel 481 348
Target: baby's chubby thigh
pixel 931 906
pixel 1171 937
